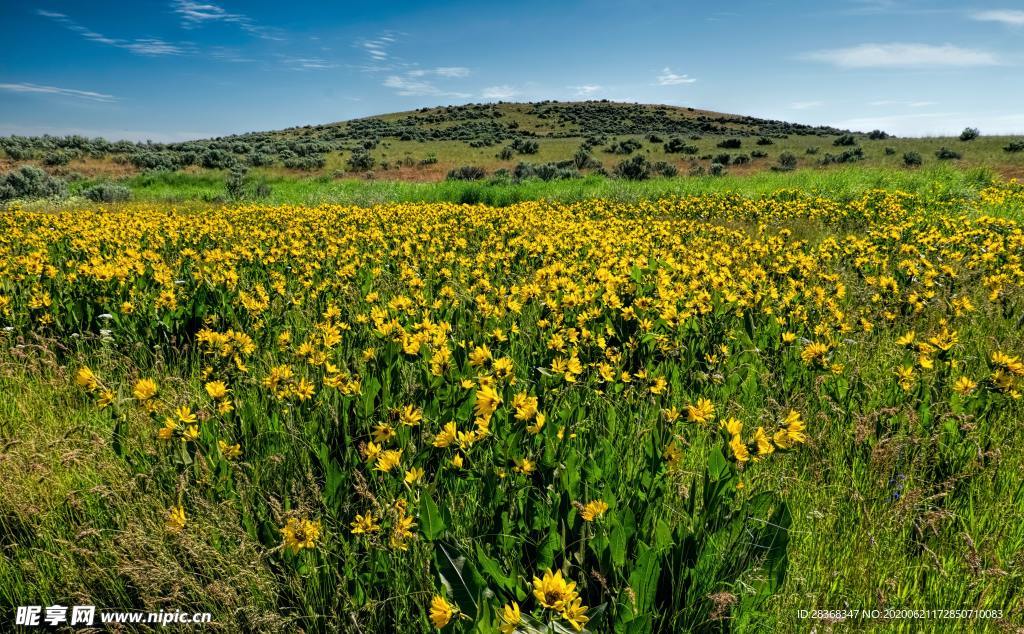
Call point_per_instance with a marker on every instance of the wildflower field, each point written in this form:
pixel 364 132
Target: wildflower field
pixel 692 414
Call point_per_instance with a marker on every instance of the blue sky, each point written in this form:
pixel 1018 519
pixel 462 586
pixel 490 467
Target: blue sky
pixel 177 69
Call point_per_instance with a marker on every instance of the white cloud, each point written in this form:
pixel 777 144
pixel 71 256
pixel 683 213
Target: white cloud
pixel 503 91
pixel 54 90
pixel 194 14
pixel 668 78
pixel 806 105
pixel 1006 16
pixel 409 87
pixel 907 104
pixel 308 63
pixel 440 71
pixel 586 90
pixel 149 46
pixel 377 48
pixel 901 55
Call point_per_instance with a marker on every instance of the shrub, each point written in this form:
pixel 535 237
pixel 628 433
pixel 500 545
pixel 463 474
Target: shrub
pixel 889 151
pixel 654 138
pixel 730 144
pixel 307 163
pixel 235 183
pixel 637 168
pixel 506 154
pixel 664 168
pixel 912 159
pixel 878 135
pixel 844 140
pixel 107 193
pixel 60 157
pixel 360 161
pixel 787 162
pixel 849 156
pixel 525 146
pixel 946 154
pixel 676 145
pixel 259 159
pixel 1014 146
pixel 723 158
pixel 467 173
pixel 740 159
pixel 814 149
pixel 429 159
pixel 716 169
pixel 217 159
pixel 765 141
pixel 585 160
pixel 969 134
pixel 29 182
pixel 624 147
pixel 758 154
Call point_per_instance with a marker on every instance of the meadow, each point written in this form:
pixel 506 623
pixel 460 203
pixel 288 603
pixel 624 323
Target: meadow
pixel 696 404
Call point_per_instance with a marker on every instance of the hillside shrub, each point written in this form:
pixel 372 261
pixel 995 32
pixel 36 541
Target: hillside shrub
pixel 28 183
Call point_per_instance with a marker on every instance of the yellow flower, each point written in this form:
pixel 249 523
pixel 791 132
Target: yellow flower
pixel 176 518
pixel 733 426
pixel 814 353
pixel 574 612
pixel 703 412
pixel 538 424
pixel 185 415
pixel 85 378
pixel 964 386
pixel 511 617
pixel 457 461
pixel 739 449
pixel 216 389
pixel 593 510
pixel 388 460
pixel 411 416
pixel 364 524
pixel 525 466
pixel 299 534
pixel 230 452
pixel 553 591
pixel 414 475
pixel 764 444
pixel 448 435
pixel 144 389
pixel 191 433
pixel 441 612
pixel 487 401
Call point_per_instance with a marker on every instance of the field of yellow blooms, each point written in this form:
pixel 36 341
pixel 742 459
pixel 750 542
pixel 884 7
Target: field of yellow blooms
pixel 697 414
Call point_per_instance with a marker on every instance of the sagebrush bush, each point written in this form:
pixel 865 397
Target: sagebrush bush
pixel 467 173
pixel 636 168
pixel 969 134
pixel 912 159
pixel 946 154
pixel 107 193
pixel 29 183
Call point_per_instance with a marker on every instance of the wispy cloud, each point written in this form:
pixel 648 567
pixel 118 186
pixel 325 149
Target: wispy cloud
pixel 407 86
pixel 586 90
pixel 55 90
pixel 906 104
pixel 194 14
pixel 379 47
pixel 149 46
pixel 668 78
pixel 504 91
pixel 1010 17
pixel 440 71
pixel 902 55
pixel 308 63
pixel 806 105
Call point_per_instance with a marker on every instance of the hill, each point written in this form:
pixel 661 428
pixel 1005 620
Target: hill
pixel 548 139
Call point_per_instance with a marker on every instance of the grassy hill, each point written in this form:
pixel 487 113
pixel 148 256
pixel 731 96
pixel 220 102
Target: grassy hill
pixel 548 140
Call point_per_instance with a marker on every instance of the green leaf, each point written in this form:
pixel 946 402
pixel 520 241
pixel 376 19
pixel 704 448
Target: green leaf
pixel 430 518
pixel 461 578
pixel 492 569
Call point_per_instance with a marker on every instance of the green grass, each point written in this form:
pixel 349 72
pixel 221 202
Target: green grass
pixel 838 182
